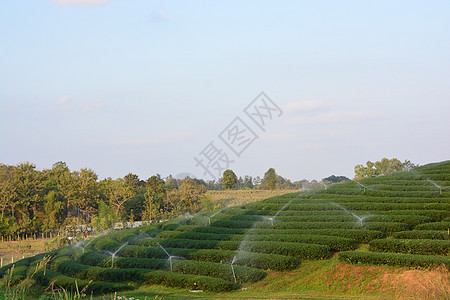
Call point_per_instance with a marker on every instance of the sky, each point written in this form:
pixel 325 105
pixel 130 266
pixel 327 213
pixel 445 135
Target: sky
pixel 148 86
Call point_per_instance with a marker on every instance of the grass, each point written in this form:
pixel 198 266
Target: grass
pixel 21 249
pixel 327 279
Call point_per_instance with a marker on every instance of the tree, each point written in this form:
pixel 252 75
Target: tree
pixel 132 180
pixel 248 182
pixel 7 188
pixel 383 167
pixel 117 193
pixel 187 198
pixel 335 179
pixel 155 197
pixel 229 179
pixel 270 179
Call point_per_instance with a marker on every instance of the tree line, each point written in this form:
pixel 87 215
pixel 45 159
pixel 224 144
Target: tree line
pixel 35 202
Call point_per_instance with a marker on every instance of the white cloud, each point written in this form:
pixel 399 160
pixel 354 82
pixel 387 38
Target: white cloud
pixel 172 137
pixel 306 106
pixel 82 2
pixel 337 117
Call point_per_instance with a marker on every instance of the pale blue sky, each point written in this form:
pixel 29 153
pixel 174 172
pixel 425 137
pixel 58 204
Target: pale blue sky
pixel 143 86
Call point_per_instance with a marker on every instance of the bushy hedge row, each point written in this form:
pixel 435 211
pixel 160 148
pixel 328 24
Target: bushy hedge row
pixel 96 273
pixel 360 235
pixel 414 246
pixel 249 259
pixel 407 219
pixel 254 260
pixel 218 230
pixel 200 236
pixel 422 234
pixel 306 251
pixel 132 269
pixel 433 226
pixel 217 270
pixel 394 259
pixel 386 227
pixel 190 281
pixel 334 242
pixel 44 278
pixel 367 206
pixel 436 215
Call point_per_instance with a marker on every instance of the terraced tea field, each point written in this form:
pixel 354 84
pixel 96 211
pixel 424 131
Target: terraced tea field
pixel 404 218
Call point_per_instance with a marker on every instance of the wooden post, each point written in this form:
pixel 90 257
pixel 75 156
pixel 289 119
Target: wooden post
pixel 1 262
pixel 12 259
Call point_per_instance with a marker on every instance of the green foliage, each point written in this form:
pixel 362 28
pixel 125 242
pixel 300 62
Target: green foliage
pixel 383 167
pixel 394 259
pixel 44 278
pixel 433 226
pixel 249 259
pixel 270 179
pixel 223 271
pixel 190 281
pixel 229 179
pixel 413 246
pixel 422 234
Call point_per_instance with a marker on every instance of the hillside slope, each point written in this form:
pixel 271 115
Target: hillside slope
pixel 404 218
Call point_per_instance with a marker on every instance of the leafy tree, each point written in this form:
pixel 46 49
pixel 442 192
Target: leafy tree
pixel 7 188
pixel 155 198
pixel 248 182
pixel 383 167
pixel 335 179
pixel 117 193
pixel 54 211
pixel 229 179
pixel 132 180
pixel 270 179
pixel 187 198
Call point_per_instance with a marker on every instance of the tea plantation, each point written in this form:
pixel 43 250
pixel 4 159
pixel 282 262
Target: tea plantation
pixel 404 218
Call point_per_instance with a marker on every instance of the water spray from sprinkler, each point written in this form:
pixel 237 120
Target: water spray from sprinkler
pixel 113 255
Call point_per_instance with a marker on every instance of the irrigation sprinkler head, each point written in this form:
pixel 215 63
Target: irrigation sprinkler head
pixel 234 274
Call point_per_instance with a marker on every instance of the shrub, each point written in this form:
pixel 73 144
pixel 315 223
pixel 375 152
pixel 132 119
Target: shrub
pixel 415 246
pixel 306 251
pixel 44 278
pixel 189 281
pixel 249 259
pixel 422 234
pixel 394 259
pixel 335 243
pixel 223 271
pixel 433 226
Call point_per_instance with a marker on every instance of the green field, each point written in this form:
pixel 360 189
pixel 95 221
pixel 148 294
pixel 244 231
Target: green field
pixel 304 244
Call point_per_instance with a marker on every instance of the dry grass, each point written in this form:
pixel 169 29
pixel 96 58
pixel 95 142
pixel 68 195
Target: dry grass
pixel 240 197
pixel 21 249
